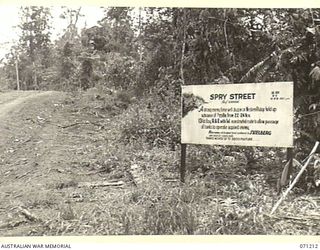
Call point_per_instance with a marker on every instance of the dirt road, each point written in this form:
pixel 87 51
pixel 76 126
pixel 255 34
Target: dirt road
pixel 45 151
pixel 15 100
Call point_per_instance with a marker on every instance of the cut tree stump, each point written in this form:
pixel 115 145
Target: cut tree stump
pixel 136 174
pixel 101 184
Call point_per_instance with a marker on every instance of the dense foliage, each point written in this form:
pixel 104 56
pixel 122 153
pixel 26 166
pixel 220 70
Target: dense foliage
pixel 148 53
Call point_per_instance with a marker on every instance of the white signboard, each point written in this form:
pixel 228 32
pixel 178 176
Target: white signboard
pixel 258 114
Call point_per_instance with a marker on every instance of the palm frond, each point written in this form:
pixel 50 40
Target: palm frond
pixel 258 70
pixel 284 59
pixel 191 102
pixel 315 73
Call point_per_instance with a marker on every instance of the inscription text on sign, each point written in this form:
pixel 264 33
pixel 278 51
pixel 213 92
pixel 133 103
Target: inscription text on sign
pixel 258 114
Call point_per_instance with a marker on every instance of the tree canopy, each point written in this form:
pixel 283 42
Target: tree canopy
pixel 158 49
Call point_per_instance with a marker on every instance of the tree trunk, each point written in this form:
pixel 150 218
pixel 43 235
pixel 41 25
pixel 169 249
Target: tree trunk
pixel 35 79
pixel 183 47
pixel 17 73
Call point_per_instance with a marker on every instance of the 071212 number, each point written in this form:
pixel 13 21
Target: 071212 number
pixel 309 246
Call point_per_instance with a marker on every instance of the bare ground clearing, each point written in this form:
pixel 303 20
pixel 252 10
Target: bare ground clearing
pixel 43 160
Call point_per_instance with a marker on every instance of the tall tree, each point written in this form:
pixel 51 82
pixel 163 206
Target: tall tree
pixel 69 46
pixel 34 43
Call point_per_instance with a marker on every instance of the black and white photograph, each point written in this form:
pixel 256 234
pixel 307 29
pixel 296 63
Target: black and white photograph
pixel 159 121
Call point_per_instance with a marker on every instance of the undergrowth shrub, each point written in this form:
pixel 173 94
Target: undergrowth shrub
pixel 154 118
pixel 157 209
pixel 120 71
pixel 107 100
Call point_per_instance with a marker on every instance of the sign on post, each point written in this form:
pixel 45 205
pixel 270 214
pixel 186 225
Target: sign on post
pixel 258 114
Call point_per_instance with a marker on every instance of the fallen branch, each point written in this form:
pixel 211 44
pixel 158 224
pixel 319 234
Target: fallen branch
pixel 296 179
pixel 95 172
pixel 23 175
pixel 313 113
pixel 101 184
pixel 12 224
pixel 172 180
pixel 25 141
pixel 305 220
pixel 80 123
pixel 29 215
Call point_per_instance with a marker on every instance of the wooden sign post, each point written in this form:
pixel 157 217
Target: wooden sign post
pixel 183 162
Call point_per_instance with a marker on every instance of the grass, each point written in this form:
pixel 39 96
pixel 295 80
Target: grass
pixel 224 193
